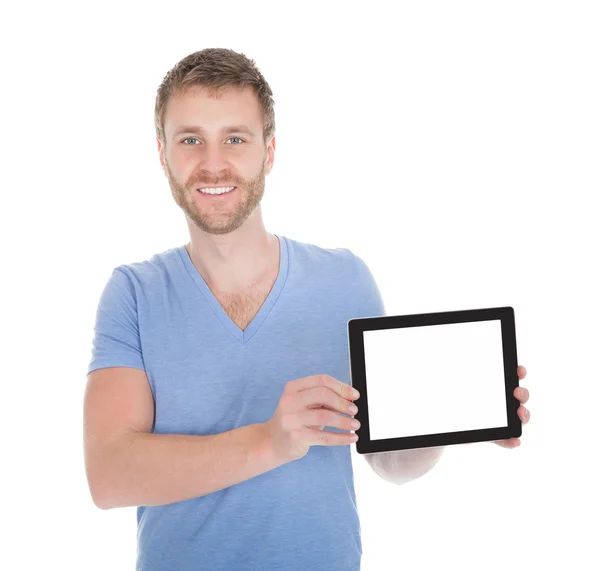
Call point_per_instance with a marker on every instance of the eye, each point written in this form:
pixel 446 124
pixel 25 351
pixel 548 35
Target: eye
pixel 195 139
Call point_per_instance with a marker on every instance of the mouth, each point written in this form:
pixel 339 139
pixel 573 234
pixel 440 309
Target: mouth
pixel 216 191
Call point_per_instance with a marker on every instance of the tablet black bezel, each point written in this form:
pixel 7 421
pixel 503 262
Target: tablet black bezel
pixel 357 326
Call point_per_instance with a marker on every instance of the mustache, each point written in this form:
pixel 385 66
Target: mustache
pixel 226 179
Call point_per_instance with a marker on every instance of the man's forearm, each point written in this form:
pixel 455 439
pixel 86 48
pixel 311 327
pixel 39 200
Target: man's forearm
pixel 401 466
pixel 146 469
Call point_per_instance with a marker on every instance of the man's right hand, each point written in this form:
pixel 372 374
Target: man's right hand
pixel 308 405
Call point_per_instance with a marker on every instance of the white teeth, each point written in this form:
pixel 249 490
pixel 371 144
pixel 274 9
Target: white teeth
pixel 218 190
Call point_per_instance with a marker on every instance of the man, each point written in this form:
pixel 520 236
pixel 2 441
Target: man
pixel 217 365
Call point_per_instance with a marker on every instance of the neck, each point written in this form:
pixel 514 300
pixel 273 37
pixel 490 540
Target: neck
pixel 234 261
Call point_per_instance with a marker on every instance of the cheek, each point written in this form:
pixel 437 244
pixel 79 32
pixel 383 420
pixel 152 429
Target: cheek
pixel 177 170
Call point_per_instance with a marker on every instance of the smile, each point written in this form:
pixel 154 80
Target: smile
pixel 216 190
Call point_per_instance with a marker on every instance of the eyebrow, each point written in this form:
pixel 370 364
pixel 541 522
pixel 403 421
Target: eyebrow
pixel 224 130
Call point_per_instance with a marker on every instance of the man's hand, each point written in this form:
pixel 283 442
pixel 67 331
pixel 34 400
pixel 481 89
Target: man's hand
pixel 523 395
pixel 306 406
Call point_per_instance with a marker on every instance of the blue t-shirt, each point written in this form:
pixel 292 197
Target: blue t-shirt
pixel 208 376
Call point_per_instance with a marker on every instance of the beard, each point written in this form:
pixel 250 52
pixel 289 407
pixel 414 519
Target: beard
pixel 214 217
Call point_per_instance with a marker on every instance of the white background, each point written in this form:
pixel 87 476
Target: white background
pixel 453 145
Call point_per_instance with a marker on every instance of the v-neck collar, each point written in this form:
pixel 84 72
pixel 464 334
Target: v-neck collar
pixel 243 336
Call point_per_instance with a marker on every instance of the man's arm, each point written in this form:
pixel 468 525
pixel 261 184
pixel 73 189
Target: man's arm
pixel 128 465
pixel 401 466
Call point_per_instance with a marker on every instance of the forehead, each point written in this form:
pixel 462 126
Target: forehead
pixel 213 111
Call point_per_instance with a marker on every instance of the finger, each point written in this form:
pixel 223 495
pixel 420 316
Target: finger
pixel 328 438
pixel 509 443
pixel 524 414
pixel 324 398
pixel 521 372
pixel 316 417
pixel 316 426
pixel 338 387
pixel 522 394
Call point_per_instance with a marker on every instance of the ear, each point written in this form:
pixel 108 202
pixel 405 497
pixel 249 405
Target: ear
pixel 270 159
pixel 161 155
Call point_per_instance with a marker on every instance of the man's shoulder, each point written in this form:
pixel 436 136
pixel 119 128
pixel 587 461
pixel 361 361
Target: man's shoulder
pixel 151 269
pixel 308 251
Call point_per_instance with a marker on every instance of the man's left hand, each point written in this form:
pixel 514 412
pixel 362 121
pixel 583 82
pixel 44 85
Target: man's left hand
pixel 523 395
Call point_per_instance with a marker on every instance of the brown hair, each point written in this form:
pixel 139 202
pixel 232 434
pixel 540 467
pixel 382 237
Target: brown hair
pixel 215 69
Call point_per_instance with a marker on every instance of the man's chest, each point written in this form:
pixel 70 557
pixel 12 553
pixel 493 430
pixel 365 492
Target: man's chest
pixel 242 307
pixel 206 380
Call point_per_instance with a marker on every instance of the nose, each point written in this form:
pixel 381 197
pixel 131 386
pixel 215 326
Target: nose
pixel 213 158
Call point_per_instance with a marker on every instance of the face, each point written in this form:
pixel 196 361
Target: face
pixel 218 142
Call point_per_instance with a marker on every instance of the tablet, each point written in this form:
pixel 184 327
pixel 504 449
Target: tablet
pixel 434 379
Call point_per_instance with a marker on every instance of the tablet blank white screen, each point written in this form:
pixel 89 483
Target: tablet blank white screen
pixel 435 379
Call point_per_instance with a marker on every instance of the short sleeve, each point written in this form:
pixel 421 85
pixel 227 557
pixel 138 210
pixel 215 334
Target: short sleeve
pixel 116 340
pixel 371 302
